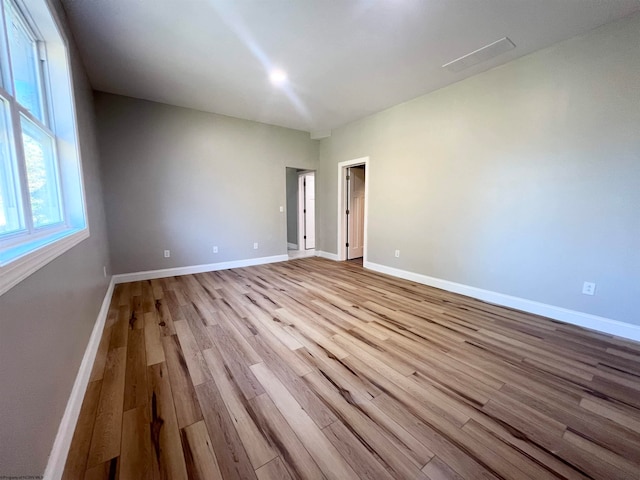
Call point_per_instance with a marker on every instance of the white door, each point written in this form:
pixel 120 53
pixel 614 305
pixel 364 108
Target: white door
pixel 307 211
pixel 355 218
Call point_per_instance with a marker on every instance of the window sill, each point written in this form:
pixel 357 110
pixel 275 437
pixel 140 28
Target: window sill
pixel 15 265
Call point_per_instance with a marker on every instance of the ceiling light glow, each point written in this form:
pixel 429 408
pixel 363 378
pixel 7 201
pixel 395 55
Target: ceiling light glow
pixel 278 77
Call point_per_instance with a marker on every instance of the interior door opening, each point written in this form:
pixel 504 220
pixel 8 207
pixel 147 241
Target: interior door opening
pixel 307 210
pixel 355 212
pixel 353 185
pixel 300 212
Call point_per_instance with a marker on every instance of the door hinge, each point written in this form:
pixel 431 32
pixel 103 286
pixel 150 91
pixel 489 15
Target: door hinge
pixel 348 177
pixel 347 212
pixel 347 245
pixel 304 211
pixel 305 237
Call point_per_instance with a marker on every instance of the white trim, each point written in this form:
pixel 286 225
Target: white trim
pixel 300 205
pixel 342 254
pixel 62 442
pixel 327 255
pixel 20 268
pixel 210 267
pixel 292 246
pixel 586 320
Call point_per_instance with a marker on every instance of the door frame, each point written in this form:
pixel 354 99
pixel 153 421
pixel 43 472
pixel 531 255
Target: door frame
pixel 301 205
pixel 342 218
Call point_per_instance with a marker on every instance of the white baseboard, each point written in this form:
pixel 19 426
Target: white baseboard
pixel 327 255
pixel 210 267
pixel 62 442
pixel 292 246
pixel 295 254
pixel 586 320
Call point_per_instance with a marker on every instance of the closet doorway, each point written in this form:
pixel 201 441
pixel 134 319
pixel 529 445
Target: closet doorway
pixel 353 186
pixel 307 210
pixel 301 212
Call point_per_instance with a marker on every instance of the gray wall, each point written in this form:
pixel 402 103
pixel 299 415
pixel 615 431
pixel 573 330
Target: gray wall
pixel 185 180
pixel 46 320
pixel 292 205
pixel 523 180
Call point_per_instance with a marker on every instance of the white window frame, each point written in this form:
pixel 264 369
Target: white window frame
pixel 23 253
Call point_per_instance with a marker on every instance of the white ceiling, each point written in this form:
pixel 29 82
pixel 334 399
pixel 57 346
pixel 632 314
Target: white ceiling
pixel 345 58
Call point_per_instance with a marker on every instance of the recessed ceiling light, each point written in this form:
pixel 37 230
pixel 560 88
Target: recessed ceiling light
pixel 278 77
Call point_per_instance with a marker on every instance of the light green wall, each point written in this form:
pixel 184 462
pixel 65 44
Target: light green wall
pixel 523 180
pixel 185 180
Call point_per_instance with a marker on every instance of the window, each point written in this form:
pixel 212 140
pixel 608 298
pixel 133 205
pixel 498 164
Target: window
pixel 42 207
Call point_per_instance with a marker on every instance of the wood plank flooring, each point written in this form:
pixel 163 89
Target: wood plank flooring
pixel 313 369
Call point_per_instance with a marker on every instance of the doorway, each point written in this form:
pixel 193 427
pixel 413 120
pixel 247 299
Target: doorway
pixel 353 185
pixel 355 212
pixel 307 210
pixel 301 229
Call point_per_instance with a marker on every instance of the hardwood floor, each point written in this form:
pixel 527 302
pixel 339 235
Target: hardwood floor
pixel 318 369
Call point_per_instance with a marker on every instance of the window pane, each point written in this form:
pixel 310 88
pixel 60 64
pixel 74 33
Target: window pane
pixel 10 205
pixel 24 62
pixel 42 174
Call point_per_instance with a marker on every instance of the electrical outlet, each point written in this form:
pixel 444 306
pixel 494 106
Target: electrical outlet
pixel 215 249
pixel 397 253
pixel 589 288
pixel 167 253
pixel 281 209
pixel 255 246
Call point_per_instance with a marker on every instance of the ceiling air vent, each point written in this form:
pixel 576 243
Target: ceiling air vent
pixel 481 55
